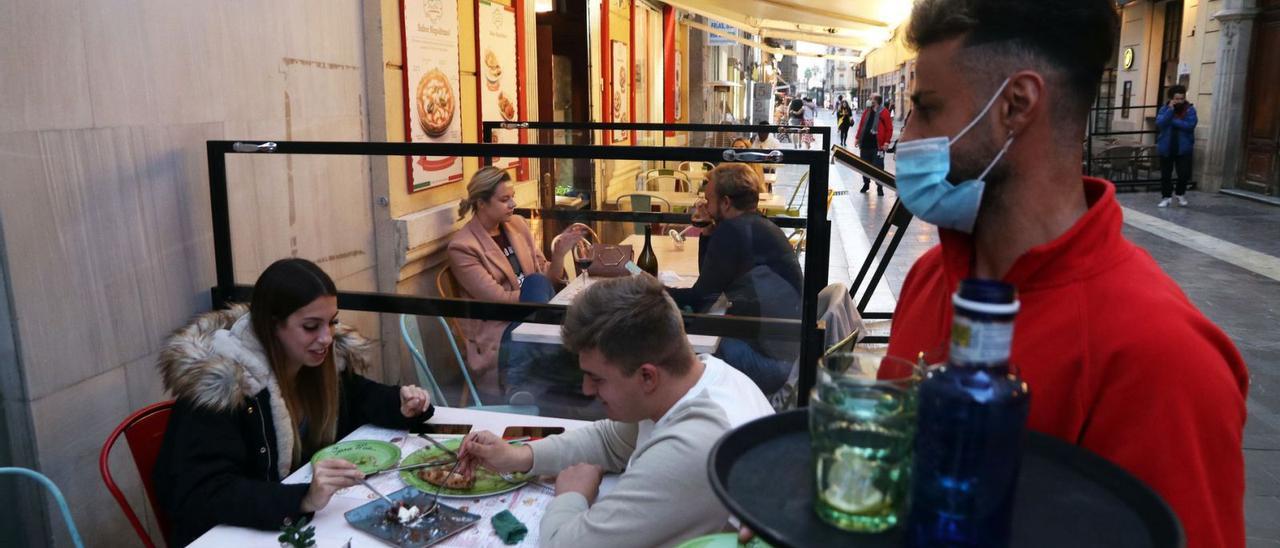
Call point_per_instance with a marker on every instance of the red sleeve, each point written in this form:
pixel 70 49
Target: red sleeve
pixel 1170 409
pixel 861 120
pixel 886 136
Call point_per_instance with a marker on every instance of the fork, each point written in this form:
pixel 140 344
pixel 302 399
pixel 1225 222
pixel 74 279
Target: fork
pixel 435 497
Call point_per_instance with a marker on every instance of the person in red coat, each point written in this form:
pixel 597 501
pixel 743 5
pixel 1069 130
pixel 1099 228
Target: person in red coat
pixel 873 137
pixel 1118 360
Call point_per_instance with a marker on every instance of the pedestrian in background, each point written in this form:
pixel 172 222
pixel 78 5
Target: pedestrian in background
pixel 875 130
pixel 844 119
pixel 1176 123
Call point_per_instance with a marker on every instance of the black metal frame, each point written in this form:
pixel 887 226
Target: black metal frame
pixel 809 335
pixel 897 221
pixel 1134 184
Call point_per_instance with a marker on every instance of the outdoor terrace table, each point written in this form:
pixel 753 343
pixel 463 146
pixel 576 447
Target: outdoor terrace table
pixel 682 262
pixel 332 530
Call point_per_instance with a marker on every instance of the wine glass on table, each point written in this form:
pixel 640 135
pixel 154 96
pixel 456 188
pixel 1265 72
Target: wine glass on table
pixel 582 259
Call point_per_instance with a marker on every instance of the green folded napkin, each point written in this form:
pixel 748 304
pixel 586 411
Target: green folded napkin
pixel 508 528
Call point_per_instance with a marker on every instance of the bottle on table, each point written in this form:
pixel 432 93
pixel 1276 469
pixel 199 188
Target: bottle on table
pixel 648 262
pixel 972 412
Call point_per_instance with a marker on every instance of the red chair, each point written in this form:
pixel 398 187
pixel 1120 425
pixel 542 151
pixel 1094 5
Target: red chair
pixel 144 430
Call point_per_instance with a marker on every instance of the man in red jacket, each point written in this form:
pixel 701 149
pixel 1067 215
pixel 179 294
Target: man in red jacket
pixel 875 130
pixel 1118 359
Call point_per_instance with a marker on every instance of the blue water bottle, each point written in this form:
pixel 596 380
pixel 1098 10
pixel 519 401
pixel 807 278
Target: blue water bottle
pixel 972 412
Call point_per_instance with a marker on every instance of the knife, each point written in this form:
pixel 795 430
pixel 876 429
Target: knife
pixel 419 465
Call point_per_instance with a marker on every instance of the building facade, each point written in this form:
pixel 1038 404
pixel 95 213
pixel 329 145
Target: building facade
pixel 1226 53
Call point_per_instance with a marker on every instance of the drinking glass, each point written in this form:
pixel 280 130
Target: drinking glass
pixel 862 419
pixel 582 259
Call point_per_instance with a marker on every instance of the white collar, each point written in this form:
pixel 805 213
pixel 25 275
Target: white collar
pixel 708 376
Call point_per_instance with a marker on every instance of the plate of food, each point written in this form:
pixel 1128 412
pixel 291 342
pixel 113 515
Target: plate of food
pixel 436 103
pixel 368 455
pixel 506 107
pixel 492 69
pixel 405 524
pixel 482 484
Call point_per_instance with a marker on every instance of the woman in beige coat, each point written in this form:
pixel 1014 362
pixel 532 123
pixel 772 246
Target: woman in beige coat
pixel 495 258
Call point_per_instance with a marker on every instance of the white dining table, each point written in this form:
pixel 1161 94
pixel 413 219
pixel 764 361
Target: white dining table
pixel 332 530
pixel 677 267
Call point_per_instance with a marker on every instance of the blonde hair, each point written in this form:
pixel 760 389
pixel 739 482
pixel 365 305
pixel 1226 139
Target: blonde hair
pixel 739 182
pixel 481 188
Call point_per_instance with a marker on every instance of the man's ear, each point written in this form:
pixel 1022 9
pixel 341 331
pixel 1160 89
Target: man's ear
pixel 650 377
pixel 1024 101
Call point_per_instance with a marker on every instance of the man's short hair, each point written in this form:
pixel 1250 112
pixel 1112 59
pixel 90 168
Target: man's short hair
pixel 1176 90
pixel 763 134
pixel 740 183
pixel 631 321
pixel 875 98
pixel 1070 42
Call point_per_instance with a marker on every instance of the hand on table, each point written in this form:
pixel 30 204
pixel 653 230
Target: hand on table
pixel 484 448
pixel 327 477
pixel 580 478
pixel 414 401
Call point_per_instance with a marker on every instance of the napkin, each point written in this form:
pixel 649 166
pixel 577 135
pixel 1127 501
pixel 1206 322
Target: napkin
pixel 508 528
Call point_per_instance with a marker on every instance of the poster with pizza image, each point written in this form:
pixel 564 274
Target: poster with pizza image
pixel 621 101
pixel 432 98
pixel 497 72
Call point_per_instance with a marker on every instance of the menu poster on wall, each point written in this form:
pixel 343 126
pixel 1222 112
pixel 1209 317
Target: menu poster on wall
pixel 679 63
pixel 621 88
pixel 432 98
pixel 496 64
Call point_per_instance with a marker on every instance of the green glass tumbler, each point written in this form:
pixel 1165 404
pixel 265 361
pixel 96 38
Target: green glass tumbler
pixel 862 427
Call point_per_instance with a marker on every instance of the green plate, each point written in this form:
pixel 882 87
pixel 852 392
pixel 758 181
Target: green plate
pixel 368 455
pixel 487 482
pixel 722 540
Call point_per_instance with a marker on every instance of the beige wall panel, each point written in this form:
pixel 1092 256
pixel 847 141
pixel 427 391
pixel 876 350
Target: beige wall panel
pixel 71 426
pixel 77 287
pixel 43 34
pixel 143 385
pixel 121 93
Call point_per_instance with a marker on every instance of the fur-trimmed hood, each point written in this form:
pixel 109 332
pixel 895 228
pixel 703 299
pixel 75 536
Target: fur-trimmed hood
pixel 199 362
pixel 217 364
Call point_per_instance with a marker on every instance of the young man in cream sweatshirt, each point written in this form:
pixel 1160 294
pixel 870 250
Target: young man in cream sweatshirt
pixel 666 408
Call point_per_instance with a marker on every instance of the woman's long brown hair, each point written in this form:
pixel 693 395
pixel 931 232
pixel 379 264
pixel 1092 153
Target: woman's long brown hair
pixel 283 288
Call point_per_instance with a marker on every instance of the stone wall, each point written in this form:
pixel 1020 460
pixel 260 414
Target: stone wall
pixel 104 111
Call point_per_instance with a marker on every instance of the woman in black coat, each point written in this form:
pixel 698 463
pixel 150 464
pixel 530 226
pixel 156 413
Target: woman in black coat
pixel 248 414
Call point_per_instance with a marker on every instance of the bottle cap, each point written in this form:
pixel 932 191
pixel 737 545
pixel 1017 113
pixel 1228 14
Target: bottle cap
pixel 986 297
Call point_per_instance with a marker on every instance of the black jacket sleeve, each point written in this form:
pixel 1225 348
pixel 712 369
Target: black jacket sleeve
pixel 209 477
pixel 369 402
pixel 728 255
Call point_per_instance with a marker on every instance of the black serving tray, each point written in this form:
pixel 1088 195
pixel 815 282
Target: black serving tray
pixel 1066 495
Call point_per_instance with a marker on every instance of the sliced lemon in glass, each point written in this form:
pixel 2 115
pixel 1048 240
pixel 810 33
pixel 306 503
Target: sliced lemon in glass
pixel 849 483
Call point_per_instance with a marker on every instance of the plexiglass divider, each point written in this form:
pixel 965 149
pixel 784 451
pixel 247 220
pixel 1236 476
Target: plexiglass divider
pixel 801 331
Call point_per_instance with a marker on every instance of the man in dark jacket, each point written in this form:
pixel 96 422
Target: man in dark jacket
pixel 1176 122
pixel 748 259
pixel 875 130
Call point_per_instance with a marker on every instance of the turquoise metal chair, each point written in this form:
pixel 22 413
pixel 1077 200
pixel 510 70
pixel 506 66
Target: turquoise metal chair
pixel 413 339
pixel 57 496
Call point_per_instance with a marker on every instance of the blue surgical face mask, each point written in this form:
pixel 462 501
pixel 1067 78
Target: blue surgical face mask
pixel 922 168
